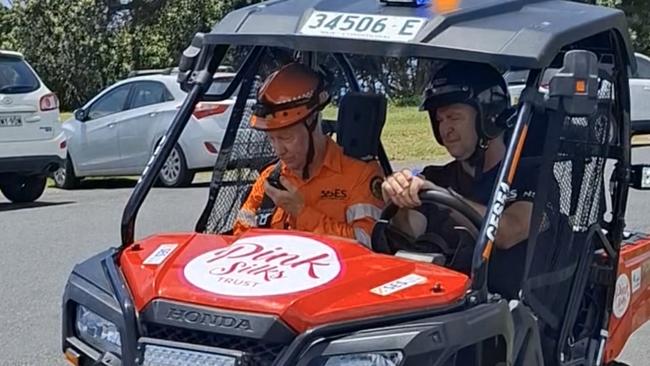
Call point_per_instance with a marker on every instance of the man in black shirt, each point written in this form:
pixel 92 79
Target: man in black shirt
pixel 468 105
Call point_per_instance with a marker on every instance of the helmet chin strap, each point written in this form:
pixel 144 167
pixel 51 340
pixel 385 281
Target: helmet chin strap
pixel 477 160
pixel 310 125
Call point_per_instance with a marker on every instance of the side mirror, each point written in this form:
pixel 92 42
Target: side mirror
pixel 640 177
pixel 81 115
pixel 188 61
pixel 576 83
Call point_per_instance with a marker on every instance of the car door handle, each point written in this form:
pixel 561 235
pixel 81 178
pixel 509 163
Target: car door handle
pixel 111 125
pixel 646 88
pixel 153 114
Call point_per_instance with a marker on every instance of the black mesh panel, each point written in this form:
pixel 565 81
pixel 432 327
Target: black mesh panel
pixel 251 152
pixel 570 203
pixel 237 168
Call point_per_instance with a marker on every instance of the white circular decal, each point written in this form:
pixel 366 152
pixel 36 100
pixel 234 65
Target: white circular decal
pixel 263 266
pixel 622 295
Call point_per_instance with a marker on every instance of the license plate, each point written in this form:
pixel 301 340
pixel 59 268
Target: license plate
pixel 362 26
pixel 10 121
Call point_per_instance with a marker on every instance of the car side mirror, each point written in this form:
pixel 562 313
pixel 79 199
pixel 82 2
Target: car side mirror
pixel 81 115
pixel 188 61
pixel 640 178
pixel 576 83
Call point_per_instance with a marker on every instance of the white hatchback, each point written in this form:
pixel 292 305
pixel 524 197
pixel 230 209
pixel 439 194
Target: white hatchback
pixel 32 143
pixel 116 132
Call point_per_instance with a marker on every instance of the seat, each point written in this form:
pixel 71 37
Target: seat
pixel 361 119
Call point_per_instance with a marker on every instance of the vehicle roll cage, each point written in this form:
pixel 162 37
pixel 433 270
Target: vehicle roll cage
pixel 201 60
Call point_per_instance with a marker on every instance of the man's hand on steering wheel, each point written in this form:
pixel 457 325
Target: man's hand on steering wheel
pixel 458 223
pixel 403 189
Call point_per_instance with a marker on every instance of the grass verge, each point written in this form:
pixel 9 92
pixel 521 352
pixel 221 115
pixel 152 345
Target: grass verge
pixel 407 135
pixel 64 116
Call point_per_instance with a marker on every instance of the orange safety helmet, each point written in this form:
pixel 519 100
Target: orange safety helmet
pixel 288 96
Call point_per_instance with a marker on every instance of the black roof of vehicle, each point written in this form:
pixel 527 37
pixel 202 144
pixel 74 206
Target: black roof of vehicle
pixel 506 33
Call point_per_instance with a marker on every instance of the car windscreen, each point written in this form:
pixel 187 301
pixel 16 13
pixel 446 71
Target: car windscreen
pixel 516 77
pixel 220 84
pixel 521 76
pixel 16 77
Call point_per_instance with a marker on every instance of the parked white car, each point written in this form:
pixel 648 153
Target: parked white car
pixel 640 95
pixel 117 131
pixel 639 91
pixel 32 144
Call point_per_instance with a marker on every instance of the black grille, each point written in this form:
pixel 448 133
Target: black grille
pixel 261 353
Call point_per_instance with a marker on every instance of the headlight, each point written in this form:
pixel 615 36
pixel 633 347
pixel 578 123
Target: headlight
pixel 98 331
pixel 390 358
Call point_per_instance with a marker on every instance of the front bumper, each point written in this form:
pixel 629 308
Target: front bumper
pixel 432 337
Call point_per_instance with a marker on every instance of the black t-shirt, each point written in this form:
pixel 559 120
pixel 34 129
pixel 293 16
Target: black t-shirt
pixel 506 267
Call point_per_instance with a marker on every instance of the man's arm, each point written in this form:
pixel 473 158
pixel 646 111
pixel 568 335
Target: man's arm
pixel 246 218
pixel 402 188
pixel 514 225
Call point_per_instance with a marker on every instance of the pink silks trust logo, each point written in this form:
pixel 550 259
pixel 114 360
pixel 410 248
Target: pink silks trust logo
pixel 263 266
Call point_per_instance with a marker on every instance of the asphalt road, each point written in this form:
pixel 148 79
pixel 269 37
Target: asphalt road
pixel 41 242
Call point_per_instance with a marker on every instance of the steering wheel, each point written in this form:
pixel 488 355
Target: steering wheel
pixel 455 238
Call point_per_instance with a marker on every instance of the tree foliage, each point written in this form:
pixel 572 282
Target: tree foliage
pixel 638 13
pixel 79 47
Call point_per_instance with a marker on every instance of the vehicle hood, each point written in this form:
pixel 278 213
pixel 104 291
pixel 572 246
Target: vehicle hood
pixel 304 279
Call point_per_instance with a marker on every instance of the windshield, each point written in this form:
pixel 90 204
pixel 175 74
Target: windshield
pixel 220 84
pixel 516 77
pixel 16 76
pixel 521 76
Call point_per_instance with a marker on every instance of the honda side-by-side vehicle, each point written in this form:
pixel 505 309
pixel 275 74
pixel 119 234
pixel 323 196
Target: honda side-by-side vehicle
pixel 283 297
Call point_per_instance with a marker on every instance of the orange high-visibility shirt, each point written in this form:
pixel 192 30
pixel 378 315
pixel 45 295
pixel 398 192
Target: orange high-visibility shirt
pixel 343 198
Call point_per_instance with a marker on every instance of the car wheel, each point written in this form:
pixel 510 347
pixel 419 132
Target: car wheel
pixel 175 172
pixel 22 189
pixel 64 177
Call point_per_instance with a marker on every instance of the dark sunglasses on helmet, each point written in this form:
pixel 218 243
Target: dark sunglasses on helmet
pixel 435 97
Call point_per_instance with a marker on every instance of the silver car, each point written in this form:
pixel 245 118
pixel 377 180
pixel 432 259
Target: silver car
pixel 117 131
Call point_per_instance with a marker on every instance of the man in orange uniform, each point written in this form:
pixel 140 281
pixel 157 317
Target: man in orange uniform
pixel 314 187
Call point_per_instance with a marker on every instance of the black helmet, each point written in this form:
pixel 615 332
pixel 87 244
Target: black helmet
pixel 478 85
